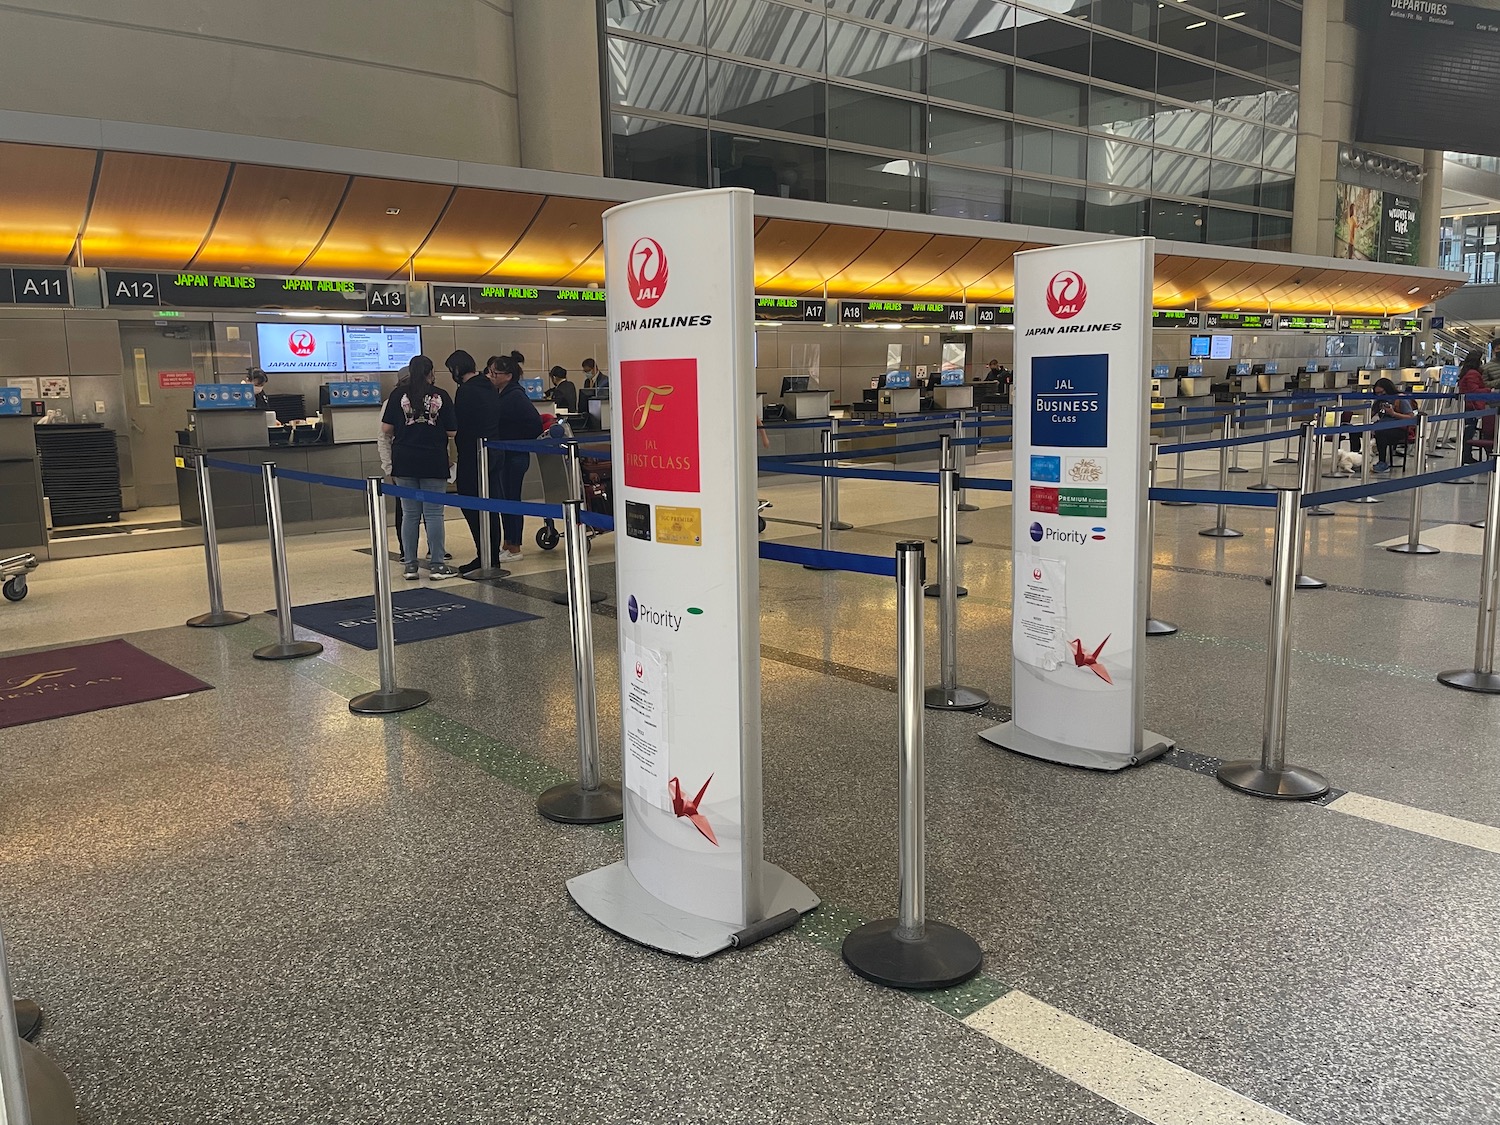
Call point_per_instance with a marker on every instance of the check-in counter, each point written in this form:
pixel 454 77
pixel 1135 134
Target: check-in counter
pixel 1270 383
pixel 239 498
pixel 1195 387
pixel 23 516
pixel 900 400
pixel 599 413
pixel 1164 388
pixel 802 405
pixel 354 423
pixel 953 398
pixel 228 429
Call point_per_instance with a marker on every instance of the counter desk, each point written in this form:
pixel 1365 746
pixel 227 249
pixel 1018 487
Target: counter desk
pixel 23 515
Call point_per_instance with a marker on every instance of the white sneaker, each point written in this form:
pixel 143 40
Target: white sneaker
pixel 412 573
pixel 509 556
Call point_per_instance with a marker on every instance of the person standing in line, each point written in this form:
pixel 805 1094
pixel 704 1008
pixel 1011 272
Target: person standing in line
pixel 420 421
pixel 1470 383
pixel 564 392
pixel 519 421
pixel 476 405
pixel 595 378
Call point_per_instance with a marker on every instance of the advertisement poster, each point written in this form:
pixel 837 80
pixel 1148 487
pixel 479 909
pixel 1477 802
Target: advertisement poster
pixel 58 386
pixel 300 347
pixel 1376 226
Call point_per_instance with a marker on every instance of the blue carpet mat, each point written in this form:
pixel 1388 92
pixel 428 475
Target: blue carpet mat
pixel 420 615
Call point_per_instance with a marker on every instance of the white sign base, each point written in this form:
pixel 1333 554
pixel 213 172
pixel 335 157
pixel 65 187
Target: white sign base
pixel 613 898
pixel 1008 736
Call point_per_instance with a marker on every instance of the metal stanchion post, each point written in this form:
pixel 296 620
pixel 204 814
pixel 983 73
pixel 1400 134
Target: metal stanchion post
pixel 487 568
pixel 1366 459
pixel 963 465
pixel 1221 528
pixel 948 695
pixel 1154 628
pixel 573 466
pixel 1482 677
pixel 1265 484
pixel 1181 440
pixel 217 615
pixel 832 447
pixel 825 521
pixel 1271 776
pixel 947 518
pixel 1312 452
pixel 1286 457
pixel 1308 482
pixel 587 800
pixel 1413 544
pixel 287 646
pixel 390 698
pixel 1235 427
pixel 911 951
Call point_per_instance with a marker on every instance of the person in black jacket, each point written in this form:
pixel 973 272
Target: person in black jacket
pixel 564 392
pixel 519 421
pixel 476 404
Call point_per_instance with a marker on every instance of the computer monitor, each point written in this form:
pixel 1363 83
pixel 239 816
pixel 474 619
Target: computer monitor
pixel 1182 371
pixel 1199 347
pixel 793 384
pixel 1258 369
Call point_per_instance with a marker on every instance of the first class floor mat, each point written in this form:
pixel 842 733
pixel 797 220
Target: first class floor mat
pixel 420 615
pixel 83 678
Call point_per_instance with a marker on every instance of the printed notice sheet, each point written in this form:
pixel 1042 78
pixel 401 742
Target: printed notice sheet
pixel 645 725
pixel 1041 611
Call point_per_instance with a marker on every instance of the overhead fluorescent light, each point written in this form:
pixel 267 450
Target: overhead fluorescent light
pixel 555 319
pixel 1236 16
pixel 1200 23
pixel 452 317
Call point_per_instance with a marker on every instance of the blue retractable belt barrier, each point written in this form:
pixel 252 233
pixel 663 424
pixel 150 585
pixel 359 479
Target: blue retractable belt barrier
pixel 830 560
pixel 351 483
pixel 986 484
pixel 597 520
pixel 1405 484
pixel 1367 428
pixel 475 503
pixel 852 473
pixel 1225 443
pixel 883 451
pixel 236 466
pixel 1228 499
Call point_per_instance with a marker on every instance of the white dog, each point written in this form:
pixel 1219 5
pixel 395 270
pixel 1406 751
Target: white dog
pixel 1349 461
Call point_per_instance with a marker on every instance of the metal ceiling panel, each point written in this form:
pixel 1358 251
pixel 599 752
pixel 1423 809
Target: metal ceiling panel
pixel 272 219
pixel 779 243
pixel 152 211
pixel 972 271
pixel 479 228
pixel 929 271
pixel 44 195
pixel 378 227
pixel 563 235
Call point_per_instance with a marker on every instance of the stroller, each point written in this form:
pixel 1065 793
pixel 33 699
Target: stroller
pixel 597 494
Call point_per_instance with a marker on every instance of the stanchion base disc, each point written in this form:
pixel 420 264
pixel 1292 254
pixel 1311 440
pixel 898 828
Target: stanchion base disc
pixel 389 702
pixel 28 1018
pixel 1262 488
pixel 49 1094
pixel 595 597
pixel 1290 783
pixel 959 699
pixel 1221 533
pixel 487 574
pixel 1318 512
pixel 1177 503
pixel 840 525
pixel 962 540
pixel 1411 549
pixel 1155 628
pixel 214 620
pixel 1467 679
pixel 968 507
pixel 570 803
pixel 1307 582
pixel 1479 524
pixel 1367 500
pixel 1237 469
pixel 280 651
pixel 936 591
pixel 943 957
pixel 1285 461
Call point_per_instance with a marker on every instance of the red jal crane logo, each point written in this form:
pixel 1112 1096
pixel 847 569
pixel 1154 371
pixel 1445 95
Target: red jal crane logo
pixel 646 272
pixel 1066 294
pixel 302 342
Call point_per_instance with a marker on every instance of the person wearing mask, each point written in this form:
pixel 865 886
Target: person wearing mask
pixel 595 378
pixel 420 421
pixel 1389 405
pixel 1471 383
pixel 257 379
pixel 519 421
pixel 564 392
pixel 992 372
pixel 476 406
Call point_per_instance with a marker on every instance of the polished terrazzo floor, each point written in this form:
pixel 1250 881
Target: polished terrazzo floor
pixel 250 902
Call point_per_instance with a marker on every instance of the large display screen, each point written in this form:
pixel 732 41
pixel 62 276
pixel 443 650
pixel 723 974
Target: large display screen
pixel 1222 348
pixel 1430 77
pixel 1199 346
pixel 380 347
pixel 300 347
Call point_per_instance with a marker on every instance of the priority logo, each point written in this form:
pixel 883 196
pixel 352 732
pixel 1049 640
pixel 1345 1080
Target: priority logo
pixel 1097 534
pixel 302 342
pixel 1066 294
pixel 646 272
pixel 1036 533
pixel 633 608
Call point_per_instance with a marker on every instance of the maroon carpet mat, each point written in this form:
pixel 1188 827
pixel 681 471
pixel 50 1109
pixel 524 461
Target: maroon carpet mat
pixel 84 678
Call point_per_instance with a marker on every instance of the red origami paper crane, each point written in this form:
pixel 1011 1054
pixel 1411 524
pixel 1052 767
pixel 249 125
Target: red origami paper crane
pixel 1091 660
pixel 683 807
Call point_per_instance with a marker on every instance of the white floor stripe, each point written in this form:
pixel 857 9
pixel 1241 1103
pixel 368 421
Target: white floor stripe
pixel 1467 832
pixel 1135 1080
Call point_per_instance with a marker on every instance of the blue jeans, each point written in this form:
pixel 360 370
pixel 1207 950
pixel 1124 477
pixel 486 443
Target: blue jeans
pixel 414 514
pixel 512 478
